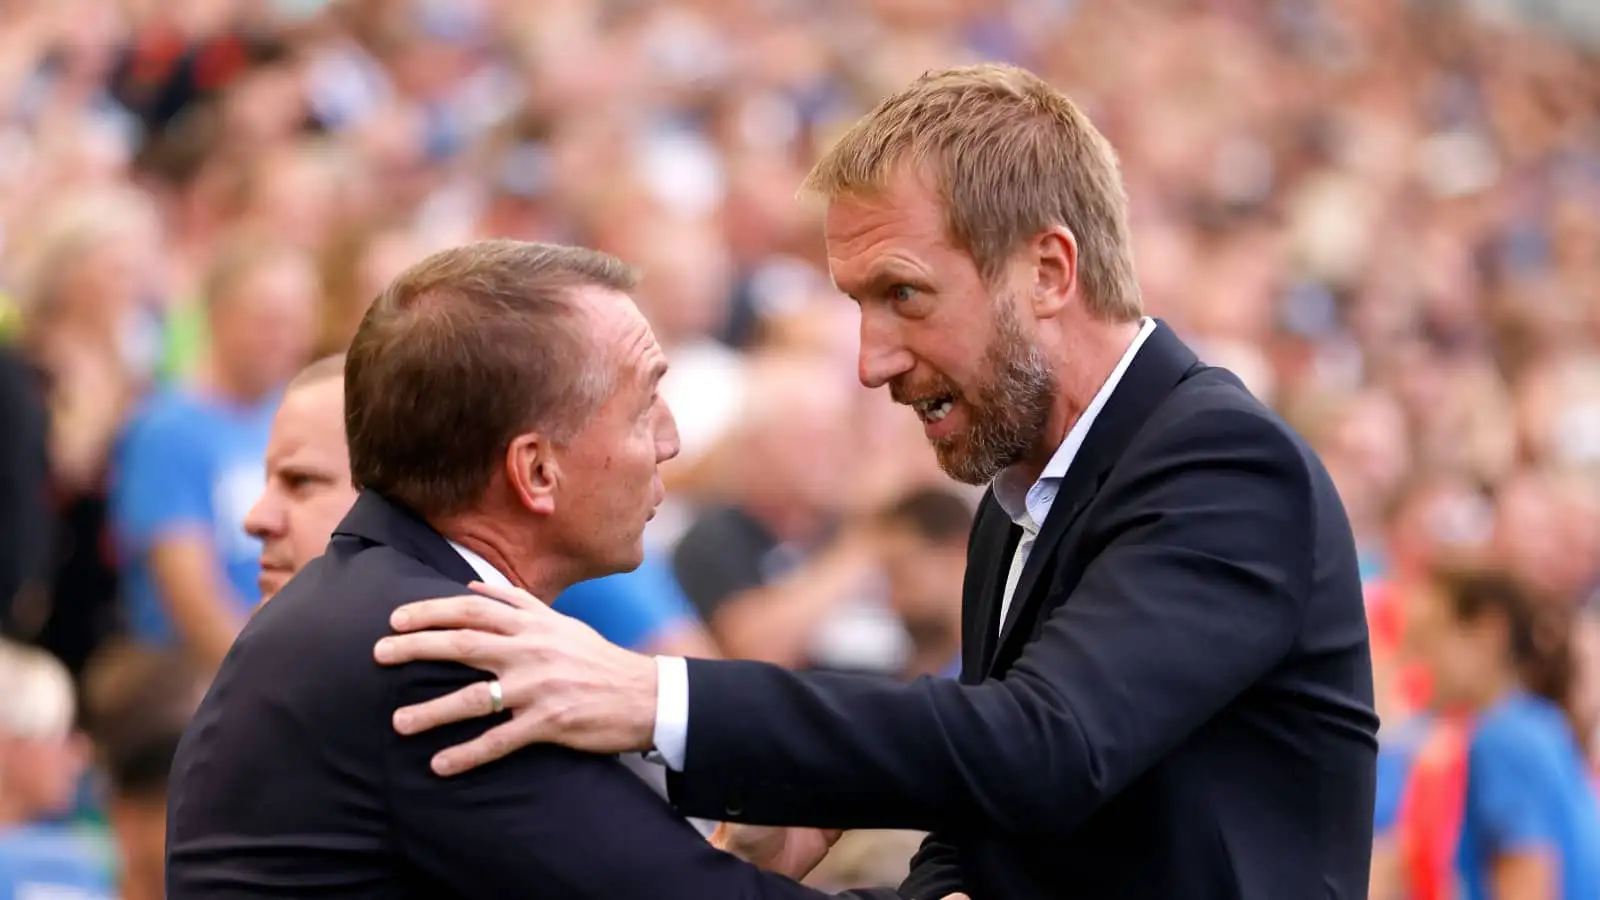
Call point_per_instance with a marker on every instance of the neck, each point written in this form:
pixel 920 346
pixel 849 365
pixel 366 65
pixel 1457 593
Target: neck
pixel 1491 692
pixel 543 575
pixel 1083 364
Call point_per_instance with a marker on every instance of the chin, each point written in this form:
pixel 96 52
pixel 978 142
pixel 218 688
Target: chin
pixel 270 585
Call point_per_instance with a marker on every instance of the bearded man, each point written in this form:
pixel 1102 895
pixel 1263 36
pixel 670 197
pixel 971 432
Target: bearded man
pixel 1166 686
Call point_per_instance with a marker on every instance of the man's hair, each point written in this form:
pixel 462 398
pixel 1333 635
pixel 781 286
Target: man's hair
pixel 137 703
pixel 934 514
pixel 461 353
pixel 1010 157
pixel 325 369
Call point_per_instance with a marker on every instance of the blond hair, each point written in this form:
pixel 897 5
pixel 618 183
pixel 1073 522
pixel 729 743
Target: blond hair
pixel 38 700
pixel 1011 157
pixel 68 228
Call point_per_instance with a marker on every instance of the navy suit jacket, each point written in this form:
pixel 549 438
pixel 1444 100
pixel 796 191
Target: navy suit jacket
pixel 291 782
pixel 1178 705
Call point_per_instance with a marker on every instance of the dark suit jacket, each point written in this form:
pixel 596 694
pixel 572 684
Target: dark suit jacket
pixel 1179 706
pixel 291 782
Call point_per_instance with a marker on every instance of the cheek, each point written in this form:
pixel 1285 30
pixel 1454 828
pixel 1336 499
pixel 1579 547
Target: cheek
pixel 315 519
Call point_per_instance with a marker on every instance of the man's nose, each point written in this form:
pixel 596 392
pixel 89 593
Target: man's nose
pixel 883 355
pixel 667 441
pixel 265 518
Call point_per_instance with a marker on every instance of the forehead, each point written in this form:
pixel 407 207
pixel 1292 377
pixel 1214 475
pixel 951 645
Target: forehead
pixel 619 329
pixel 900 226
pixel 311 416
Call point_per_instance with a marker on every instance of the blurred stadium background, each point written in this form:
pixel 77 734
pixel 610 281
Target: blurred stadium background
pixel 1383 214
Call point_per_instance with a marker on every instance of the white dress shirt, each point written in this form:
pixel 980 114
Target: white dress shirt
pixel 1028 508
pixel 487 573
pixel 651 774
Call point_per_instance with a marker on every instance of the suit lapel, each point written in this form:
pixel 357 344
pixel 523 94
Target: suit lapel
pixel 994 540
pixel 1156 369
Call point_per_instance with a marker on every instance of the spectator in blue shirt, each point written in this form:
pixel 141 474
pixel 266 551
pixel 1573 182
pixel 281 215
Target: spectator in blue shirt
pixel 1528 820
pixel 644 610
pixel 190 464
pixel 41 758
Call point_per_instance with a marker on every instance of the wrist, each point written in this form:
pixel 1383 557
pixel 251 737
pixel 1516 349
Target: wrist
pixel 642 716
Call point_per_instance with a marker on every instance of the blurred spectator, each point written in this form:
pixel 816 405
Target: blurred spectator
pixel 88 290
pixel 1492 787
pixel 922 539
pixel 41 757
pixel 643 610
pixel 139 703
pixel 191 465
pixel 769 569
pixel 25 517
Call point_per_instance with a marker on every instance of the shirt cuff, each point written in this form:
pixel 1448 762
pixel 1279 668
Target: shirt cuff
pixel 672 712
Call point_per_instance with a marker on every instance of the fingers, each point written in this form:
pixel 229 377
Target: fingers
pixel 470 702
pixel 478 649
pixel 514 596
pixel 497 742
pixel 465 611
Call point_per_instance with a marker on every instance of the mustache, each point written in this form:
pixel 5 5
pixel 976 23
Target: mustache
pixel 902 391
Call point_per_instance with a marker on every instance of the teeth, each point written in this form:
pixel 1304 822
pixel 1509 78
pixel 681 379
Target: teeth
pixel 934 410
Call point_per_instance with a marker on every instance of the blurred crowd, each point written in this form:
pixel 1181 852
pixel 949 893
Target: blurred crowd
pixel 1384 215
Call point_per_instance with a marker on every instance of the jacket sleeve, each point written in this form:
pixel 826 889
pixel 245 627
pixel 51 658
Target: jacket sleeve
pixel 547 821
pixel 1197 592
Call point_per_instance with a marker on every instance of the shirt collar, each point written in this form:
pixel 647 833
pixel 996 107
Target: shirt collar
pixel 1029 507
pixel 487 573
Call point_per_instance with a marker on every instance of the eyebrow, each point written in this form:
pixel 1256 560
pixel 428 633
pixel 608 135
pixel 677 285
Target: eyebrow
pixel 886 274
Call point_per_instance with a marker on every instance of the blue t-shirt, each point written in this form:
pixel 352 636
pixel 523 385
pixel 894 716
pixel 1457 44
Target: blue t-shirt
pixel 630 609
pixel 1527 788
pixel 187 463
pixel 52 862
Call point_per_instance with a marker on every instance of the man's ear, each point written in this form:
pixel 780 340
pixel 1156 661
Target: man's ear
pixel 1054 255
pixel 533 472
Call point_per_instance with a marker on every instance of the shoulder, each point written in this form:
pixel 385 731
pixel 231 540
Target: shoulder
pixel 1213 404
pixel 1521 731
pixel 167 412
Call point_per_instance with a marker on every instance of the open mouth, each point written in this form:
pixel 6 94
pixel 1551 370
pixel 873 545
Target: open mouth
pixel 934 409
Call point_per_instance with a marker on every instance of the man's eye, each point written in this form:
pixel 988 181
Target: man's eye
pixel 902 293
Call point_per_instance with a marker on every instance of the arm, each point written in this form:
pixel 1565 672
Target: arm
pixel 548 818
pixel 1196 595
pixel 184 565
pixel 719 569
pixel 1528 875
pixel 1513 791
pixel 162 510
pixel 775 623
